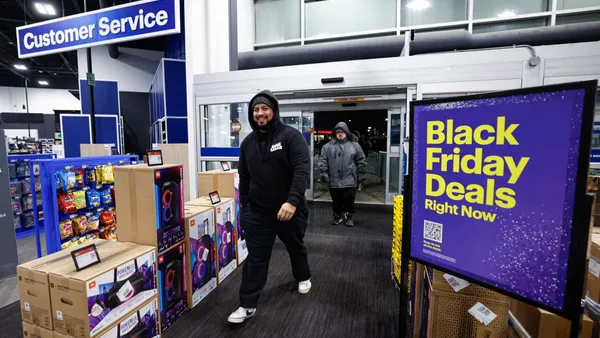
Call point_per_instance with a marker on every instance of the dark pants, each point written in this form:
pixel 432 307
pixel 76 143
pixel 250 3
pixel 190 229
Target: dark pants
pixel 343 200
pixel 261 227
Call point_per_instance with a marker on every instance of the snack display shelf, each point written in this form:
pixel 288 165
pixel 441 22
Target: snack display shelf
pixel 21 172
pixel 70 199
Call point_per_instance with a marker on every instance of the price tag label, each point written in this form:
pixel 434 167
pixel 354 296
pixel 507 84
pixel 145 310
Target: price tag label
pixel 125 291
pixel 482 313
pixel 214 197
pixel 85 257
pixel 456 283
pixel 154 157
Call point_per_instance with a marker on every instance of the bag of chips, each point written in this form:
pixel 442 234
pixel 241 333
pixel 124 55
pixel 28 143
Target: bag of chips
pixel 107 218
pixel 99 178
pixel 79 175
pixel 66 202
pixel 106 198
pixel 90 175
pixel 109 234
pixel 93 199
pixel 67 179
pixel 94 222
pixel 79 198
pixel 107 174
pixel 80 225
pixel 66 228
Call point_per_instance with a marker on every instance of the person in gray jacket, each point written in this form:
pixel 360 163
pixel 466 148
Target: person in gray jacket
pixel 342 165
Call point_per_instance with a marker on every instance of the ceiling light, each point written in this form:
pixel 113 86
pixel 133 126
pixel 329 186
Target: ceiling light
pixel 50 9
pixel 21 67
pixel 40 71
pixel 41 8
pixel 419 5
pixel 506 14
pixel 43 82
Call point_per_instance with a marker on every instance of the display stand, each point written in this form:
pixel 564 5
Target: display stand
pixel 20 176
pixel 48 171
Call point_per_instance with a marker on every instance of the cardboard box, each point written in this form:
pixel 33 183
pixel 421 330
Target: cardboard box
pixel 143 322
pixel 543 324
pixel 593 274
pixel 87 302
pixel 448 311
pixel 151 208
pixel 89 150
pixel 32 331
pixel 201 257
pixel 177 153
pixel 172 285
pixel 34 290
pixel 226 235
pixel 227 183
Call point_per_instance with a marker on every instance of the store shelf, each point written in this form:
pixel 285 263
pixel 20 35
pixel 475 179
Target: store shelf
pixel 26 232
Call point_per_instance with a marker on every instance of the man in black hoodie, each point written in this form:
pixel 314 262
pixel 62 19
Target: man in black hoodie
pixel 274 169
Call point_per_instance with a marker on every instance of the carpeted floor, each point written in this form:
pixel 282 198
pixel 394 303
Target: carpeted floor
pixel 352 292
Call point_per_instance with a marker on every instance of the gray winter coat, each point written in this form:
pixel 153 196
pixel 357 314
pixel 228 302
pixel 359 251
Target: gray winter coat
pixel 343 162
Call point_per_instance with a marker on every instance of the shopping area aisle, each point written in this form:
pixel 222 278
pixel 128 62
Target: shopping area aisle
pixel 352 292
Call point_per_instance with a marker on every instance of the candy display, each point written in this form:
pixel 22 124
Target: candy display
pixel 85 196
pixel 25 190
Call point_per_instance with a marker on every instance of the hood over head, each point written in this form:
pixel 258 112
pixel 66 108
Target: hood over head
pixel 264 97
pixel 344 127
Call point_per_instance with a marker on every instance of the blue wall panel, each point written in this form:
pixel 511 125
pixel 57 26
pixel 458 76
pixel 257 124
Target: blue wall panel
pixel 177 130
pixel 220 152
pixel 107 131
pixel 106 98
pixel 76 131
pixel 175 88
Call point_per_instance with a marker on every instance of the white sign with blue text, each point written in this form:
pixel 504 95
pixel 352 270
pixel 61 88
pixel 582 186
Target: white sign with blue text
pixel 132 21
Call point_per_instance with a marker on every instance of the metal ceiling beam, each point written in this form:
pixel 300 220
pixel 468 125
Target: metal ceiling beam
pixel 68 64
pixel 27 12
pixel 76 5
pixel 11 70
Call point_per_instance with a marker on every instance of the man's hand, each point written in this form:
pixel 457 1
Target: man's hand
pixel 286 212
pixel 324 178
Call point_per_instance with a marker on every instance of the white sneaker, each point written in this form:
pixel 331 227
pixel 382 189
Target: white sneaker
pixel 238 316
pixel 304 286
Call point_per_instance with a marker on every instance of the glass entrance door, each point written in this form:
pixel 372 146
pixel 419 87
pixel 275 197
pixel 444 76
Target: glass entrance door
pixel 304 122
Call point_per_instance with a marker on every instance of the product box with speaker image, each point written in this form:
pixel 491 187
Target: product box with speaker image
pixel 227 183
pixel 86 303
pixel 202 254
pixel 150 204
pixel 34 288
pixel 226 234
pixel 141 323
pixel 172 284
pixel 32 331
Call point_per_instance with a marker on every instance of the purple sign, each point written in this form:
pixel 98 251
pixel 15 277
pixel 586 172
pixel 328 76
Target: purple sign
pixel 493 189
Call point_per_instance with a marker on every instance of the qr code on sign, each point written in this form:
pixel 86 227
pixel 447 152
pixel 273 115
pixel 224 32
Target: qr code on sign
pixel 433 231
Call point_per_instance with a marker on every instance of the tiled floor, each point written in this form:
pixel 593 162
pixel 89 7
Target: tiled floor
pixel 27 251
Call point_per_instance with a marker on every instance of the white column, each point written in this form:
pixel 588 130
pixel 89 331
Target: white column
pixel 207 51
pixel 245 21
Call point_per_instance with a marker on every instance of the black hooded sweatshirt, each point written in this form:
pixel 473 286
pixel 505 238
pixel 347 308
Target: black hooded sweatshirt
pixel 274 166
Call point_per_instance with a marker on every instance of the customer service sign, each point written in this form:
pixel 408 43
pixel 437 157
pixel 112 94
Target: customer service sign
pixel 493 188
pixel 132 21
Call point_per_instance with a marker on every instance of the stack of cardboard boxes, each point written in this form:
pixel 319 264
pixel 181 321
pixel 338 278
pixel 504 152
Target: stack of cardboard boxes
pixel 151 212
pixel 115 297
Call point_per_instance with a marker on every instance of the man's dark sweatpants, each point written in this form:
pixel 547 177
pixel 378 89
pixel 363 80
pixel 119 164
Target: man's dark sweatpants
pixel 261 227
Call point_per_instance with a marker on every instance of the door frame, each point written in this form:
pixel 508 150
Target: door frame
pixel 300 114
pixel 389 196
